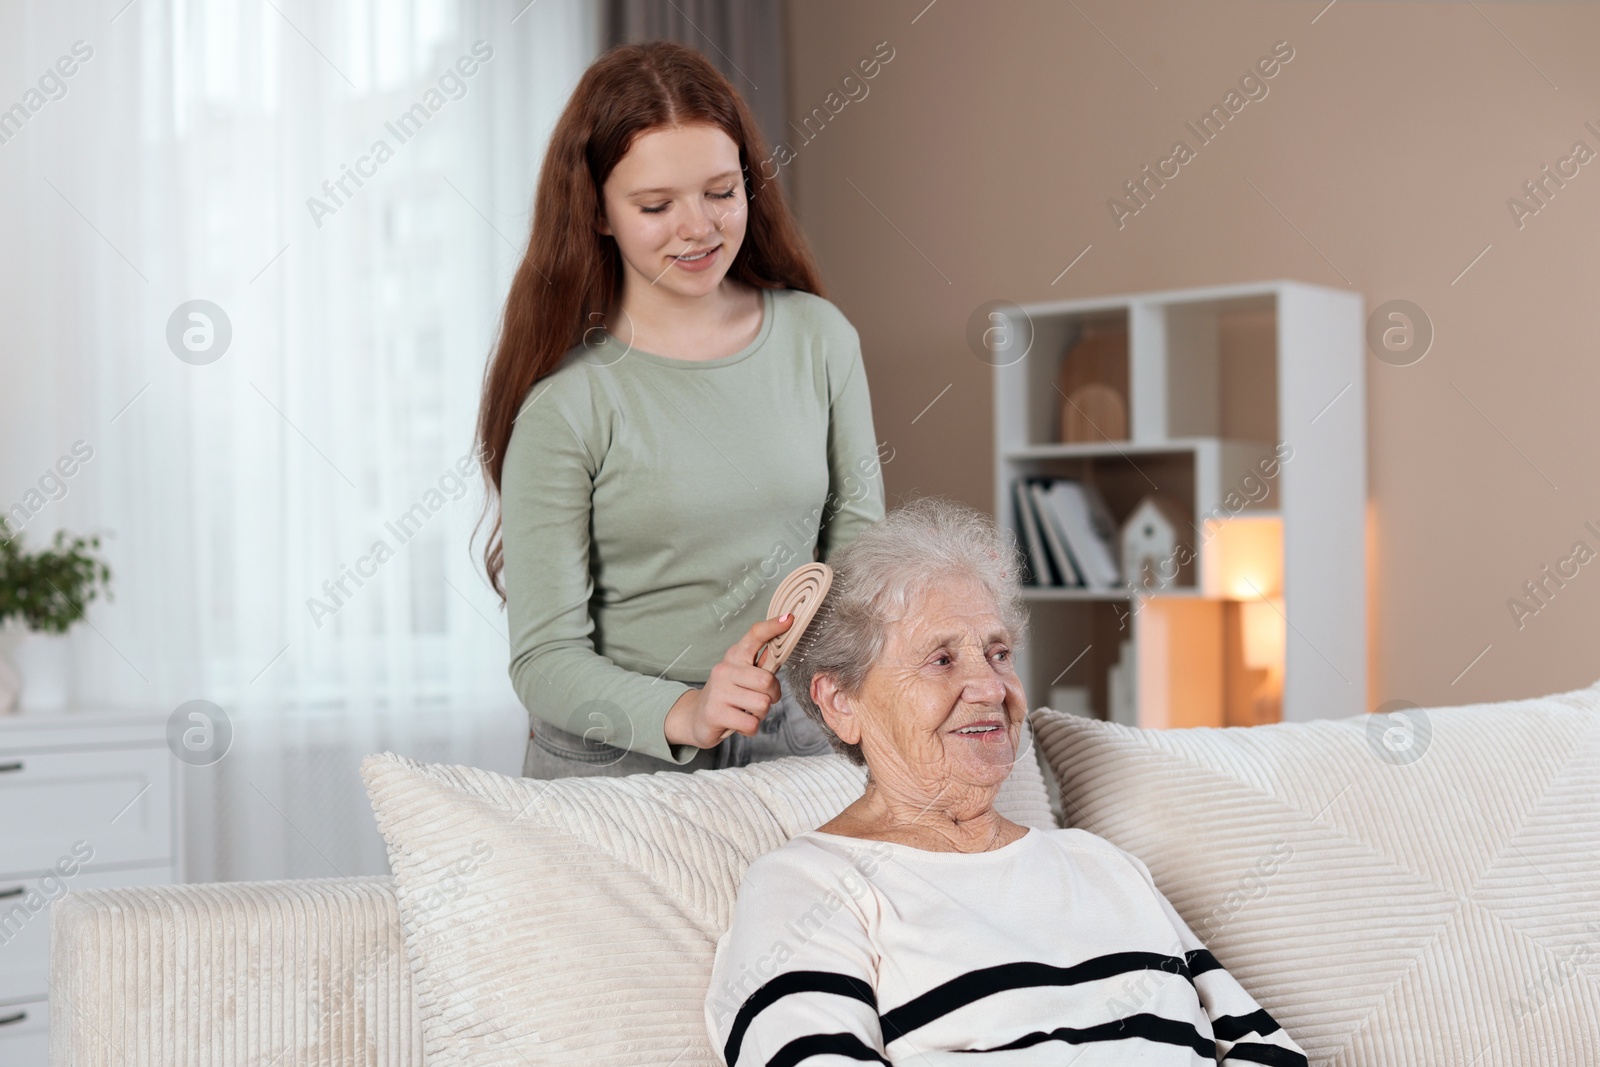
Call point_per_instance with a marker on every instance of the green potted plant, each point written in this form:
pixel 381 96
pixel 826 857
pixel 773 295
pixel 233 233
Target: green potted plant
pixel 45 591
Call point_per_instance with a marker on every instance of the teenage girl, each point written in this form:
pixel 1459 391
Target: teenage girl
pixel 673 420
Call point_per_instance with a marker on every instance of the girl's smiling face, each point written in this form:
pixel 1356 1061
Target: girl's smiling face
pixel 678 192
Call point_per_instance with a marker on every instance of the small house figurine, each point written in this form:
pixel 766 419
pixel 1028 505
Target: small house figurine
pixel 1154 555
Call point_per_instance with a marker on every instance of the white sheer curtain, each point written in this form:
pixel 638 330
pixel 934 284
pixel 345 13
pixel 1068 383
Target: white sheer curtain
pixel 204 152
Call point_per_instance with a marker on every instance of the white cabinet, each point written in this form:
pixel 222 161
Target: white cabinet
pixel 25 1034
pixel 87 801
pixel 1246 404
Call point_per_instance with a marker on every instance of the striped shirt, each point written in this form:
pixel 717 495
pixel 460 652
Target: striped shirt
pixel 1056 948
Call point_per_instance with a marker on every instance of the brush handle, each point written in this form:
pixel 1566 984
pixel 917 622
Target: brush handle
pixel 802 593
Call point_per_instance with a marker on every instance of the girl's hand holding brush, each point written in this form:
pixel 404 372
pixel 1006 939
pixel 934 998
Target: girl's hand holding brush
pixel 737 694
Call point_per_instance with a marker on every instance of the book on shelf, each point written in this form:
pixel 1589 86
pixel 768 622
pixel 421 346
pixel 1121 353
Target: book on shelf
pixel 1039 572
pixel 1087 530
pixel 1054 542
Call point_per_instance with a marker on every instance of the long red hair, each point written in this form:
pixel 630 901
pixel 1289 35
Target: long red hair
pixel 571 274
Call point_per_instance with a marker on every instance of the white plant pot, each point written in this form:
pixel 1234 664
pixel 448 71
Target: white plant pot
pixel 42 660
pixel 10 676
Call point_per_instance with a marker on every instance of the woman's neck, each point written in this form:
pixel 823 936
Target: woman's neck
pixel 946 818
pixel 718 324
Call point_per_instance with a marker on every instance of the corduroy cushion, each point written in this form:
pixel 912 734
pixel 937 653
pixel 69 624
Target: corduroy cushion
pixel 574 921
pixel 1417 887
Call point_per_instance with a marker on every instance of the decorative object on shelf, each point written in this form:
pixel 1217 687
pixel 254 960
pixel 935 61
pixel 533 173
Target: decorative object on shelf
pixel 1154 555
pixel 45 592
pixel 1265 640
pixel 1094 384
pixel 1096 412
pixel 1124 686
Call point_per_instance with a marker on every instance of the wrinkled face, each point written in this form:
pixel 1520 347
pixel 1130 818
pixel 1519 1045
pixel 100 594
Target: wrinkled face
pixel 942 708
pixel 679 192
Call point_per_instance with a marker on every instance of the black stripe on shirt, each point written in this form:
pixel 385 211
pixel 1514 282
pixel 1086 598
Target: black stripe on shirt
pixel 803 1048
pixel 976 985
pixel 1272 1055
pixel 1149 1027
pixel 784 985
pixel 962 990
pixel 1233 1027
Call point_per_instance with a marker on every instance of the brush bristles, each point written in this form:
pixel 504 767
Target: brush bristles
pixel 807 641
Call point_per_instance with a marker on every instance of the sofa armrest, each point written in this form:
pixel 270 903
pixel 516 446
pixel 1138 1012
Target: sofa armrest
pixel 250 973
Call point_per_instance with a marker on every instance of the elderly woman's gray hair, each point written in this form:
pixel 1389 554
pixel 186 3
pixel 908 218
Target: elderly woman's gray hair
pixel 879 577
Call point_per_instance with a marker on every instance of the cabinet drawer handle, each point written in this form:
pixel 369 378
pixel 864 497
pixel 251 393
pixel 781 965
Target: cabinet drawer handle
pixel 16 766
pixel 17 1018
pixel 17 892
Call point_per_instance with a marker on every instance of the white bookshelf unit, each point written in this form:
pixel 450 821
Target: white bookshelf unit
pixel 1247 404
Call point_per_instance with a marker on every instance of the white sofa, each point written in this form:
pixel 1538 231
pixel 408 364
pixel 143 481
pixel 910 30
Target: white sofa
pixel 1408 847
pixel 304 972
pixel 315 971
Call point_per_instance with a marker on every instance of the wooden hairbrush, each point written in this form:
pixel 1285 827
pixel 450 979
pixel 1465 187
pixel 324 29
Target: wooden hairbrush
pixel 804 592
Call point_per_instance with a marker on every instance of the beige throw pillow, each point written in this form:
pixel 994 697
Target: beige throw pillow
pixel 1415 887
pixel 574 921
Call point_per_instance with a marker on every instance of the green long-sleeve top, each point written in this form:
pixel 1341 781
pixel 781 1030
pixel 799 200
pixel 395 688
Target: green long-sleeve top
pixel 650 506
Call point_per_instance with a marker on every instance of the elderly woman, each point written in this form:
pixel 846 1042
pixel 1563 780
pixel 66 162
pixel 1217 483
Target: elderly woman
pixel 919 925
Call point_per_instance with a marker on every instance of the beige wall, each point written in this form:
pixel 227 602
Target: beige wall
pixel 979 164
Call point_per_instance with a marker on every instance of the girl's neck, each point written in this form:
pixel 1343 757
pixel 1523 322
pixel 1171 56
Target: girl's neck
pixel 660 321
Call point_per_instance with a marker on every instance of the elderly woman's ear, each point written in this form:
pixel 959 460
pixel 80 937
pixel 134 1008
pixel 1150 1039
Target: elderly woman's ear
pixel 837 710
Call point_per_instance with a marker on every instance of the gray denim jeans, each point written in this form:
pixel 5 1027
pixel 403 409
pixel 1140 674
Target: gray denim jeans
pixel 786 731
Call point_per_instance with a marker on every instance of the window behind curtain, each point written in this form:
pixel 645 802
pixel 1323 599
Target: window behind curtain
pixel 187 161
